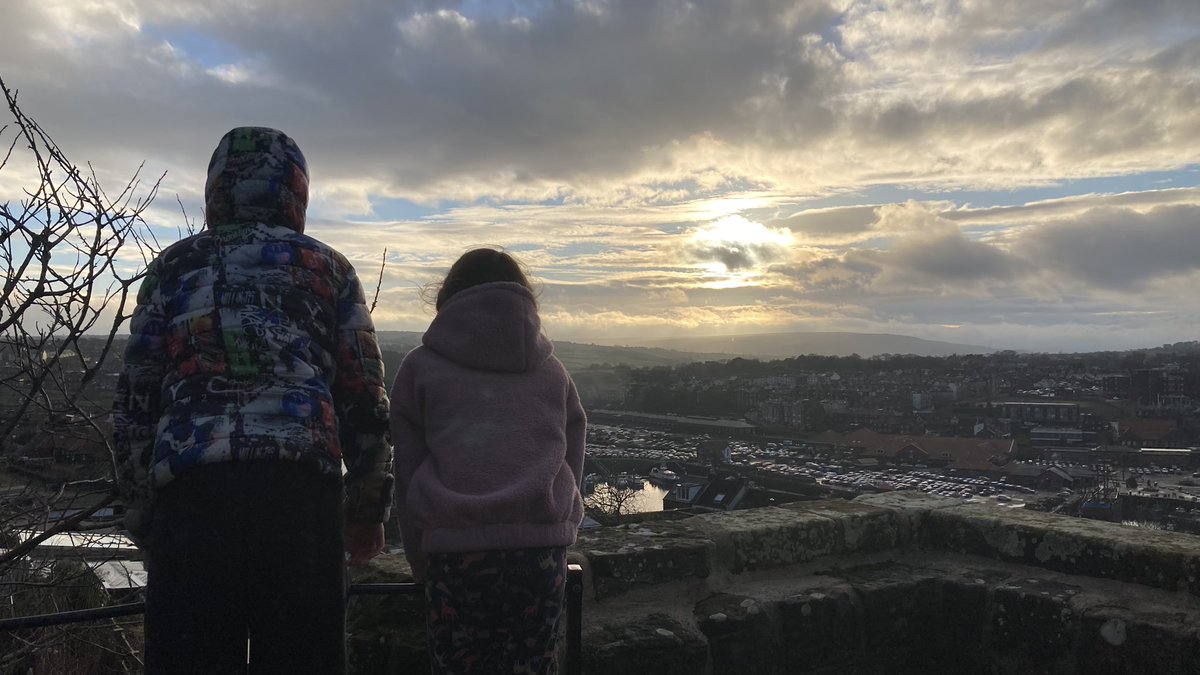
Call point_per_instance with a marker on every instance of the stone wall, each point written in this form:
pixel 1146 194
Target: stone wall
pixel 895 583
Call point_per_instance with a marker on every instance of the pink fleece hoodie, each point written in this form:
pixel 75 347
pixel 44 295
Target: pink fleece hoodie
pixel 488 431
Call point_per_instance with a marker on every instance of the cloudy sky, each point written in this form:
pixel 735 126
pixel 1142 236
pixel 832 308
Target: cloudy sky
pixel 1020 173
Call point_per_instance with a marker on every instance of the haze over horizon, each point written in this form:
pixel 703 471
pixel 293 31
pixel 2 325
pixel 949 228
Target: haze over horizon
pixel 1018 175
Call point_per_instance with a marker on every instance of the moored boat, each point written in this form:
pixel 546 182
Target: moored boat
pixel 661 475
pixel 626 481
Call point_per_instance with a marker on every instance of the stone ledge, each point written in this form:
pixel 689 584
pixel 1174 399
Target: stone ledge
pixel 626 557
pixel 1137 639
pixel 764 538
pixel 862 527
pixel 738 629
pixel 656 644
pixel 845 586
pixel 1071 545
pixel 922 613
pixel 911 510
pixel 621 558
pixel 755 540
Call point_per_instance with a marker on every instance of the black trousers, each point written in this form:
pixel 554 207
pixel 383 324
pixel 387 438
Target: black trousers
pixel 249 551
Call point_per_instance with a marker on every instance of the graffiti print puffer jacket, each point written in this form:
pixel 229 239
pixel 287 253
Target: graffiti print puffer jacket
pixel 251 341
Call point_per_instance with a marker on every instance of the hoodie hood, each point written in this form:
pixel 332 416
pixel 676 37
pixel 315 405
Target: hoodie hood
pixel 256 175
pixel 491 326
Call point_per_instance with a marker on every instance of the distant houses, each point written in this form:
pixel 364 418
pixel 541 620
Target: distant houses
pixel 1143 432
pixel 968 454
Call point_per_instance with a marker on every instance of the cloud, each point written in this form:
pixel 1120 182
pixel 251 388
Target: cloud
pixel 934 251
pixel 1072 206
pixel 921 265
pixel 846 275
pixel 844 223
pixel 738 244
pixel 667 296
pixel 675 164
pixel 616 323
pixel 1119 249
pixel 533 102
pixel 952 258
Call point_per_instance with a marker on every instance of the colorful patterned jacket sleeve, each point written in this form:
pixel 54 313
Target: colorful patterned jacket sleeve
pixel 136 407
pixel 361 402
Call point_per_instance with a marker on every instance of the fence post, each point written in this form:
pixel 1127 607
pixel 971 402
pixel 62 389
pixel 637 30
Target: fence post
pixel 574 619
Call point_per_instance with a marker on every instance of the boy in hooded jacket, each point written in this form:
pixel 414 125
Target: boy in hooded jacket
pixel 252 375
pixel 489 436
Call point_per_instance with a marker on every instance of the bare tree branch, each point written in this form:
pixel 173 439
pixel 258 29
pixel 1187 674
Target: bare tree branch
pixel 608 502
pixel 379 284
pixel 64 525
pixel 72 254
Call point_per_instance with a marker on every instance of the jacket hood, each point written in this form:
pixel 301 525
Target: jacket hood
pixel 492 326
pixel 256 175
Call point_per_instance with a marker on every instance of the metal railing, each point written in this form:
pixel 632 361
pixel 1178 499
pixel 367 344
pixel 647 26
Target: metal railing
pixel 574 603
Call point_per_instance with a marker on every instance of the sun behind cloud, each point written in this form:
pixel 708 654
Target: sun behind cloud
pixel 737 246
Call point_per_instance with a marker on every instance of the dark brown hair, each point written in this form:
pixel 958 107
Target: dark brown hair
pixel 480 266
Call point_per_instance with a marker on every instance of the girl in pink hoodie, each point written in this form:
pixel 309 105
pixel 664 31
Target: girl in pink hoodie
pixel 489 436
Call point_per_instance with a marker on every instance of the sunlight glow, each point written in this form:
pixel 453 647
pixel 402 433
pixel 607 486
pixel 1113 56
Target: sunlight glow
pixel 727 280
pixel 737 230
pixel 733 251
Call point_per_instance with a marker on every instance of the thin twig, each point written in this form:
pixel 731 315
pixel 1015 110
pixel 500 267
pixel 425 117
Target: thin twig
pixel 379 284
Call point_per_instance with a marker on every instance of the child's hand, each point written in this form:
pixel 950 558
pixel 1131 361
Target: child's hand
pixel 137 524
pixel 363 542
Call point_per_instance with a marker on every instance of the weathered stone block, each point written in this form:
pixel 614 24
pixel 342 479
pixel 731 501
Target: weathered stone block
pixel 742 632
pixel 822 630
pixel 627 556
pixel 1060 543
pixel 862 528
pixel 656 644
pixel 911 509
pixel 902 613
pixel 764 538
pixel 1033 626
pixel 1191 565
pixel 1145 641
pixel 960 626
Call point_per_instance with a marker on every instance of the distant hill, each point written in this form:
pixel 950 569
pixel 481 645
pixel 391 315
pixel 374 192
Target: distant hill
pixel 401 341
pixel 574 355
pixel 786 345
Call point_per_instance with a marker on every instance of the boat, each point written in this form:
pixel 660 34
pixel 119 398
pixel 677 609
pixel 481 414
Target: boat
pixel 661 475
pixel 625 481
